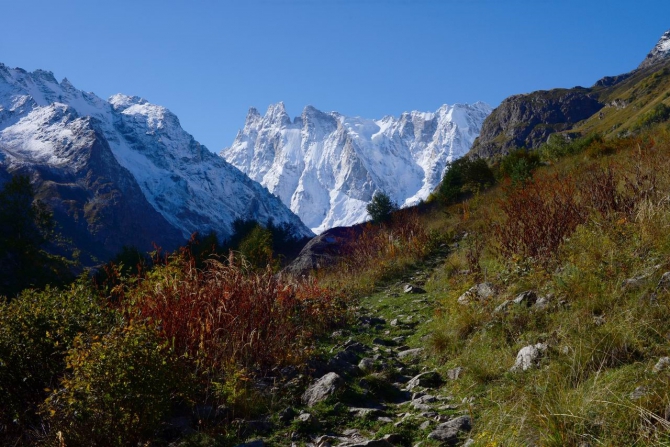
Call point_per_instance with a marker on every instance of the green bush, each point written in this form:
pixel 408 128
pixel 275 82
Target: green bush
pixel 36 331
pixel 256 248
pixel 119 388
pixel 519 165
pixel 464 176
pixel 559 146
pixel 381 207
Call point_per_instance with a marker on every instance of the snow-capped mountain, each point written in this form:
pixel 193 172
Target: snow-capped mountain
pixel 327 166
pixel 659 52
pixel 121 171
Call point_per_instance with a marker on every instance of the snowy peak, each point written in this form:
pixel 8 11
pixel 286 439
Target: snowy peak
pixel 327 166
pixel 46 125
pixel 659 52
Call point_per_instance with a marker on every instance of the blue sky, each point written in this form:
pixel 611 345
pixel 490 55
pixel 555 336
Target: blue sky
pixel 209 61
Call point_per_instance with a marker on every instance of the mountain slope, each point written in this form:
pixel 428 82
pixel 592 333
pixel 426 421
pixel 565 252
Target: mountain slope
pixel 100 163
pixel 613 106
pixel 327 166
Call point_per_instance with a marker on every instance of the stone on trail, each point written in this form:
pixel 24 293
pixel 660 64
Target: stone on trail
pixel 410 288
pixel 449 433
pixel 430 379
pixel 410 353
pixel 323 388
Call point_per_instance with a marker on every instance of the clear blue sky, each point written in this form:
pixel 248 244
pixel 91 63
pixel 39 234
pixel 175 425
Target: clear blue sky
pixel 209 61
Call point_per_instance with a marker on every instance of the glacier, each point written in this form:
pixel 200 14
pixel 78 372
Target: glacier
pixel 326 166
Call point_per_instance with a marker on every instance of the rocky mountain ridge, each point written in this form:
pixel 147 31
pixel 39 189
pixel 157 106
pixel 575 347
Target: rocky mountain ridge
pixel 527 120
pixel 123 171
pixel 327 166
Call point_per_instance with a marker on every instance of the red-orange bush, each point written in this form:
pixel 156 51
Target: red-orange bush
pixel 538 217
pixel 376 245
pixel 228 314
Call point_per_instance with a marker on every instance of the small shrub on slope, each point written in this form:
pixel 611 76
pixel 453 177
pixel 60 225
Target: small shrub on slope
pixel 36 331
pixel 118 389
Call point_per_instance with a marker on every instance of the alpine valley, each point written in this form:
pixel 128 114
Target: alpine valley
pixel 327 166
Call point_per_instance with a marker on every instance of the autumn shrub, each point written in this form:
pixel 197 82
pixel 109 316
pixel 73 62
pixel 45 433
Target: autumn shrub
pixel 118 389
pixel 229 313
pixel 36 331
pixel 537 217
pixel 381 250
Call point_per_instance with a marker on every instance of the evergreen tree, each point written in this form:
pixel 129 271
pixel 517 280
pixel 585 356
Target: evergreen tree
pixel 26 227
pixel 381 207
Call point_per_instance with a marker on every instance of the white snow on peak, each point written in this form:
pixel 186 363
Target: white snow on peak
pixel 327 166
pixel 194 189
pixel 659 52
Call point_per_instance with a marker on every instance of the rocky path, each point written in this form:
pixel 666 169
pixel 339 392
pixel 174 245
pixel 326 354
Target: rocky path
pixel 375 383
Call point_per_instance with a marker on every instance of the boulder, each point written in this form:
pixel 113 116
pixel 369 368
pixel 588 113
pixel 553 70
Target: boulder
pixel 323 388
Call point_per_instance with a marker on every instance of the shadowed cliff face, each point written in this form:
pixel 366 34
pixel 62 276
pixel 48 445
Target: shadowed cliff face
pixel 528 120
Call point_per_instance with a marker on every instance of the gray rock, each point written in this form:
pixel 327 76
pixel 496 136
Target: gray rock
pixel 477 292
pixel 528 357
pixel 323 388
pixel 410 353
pixel 366 412
pixel 343 362
pixel 527 298
pixel 366 365
pixel 306 417
pixel 542 302
pixel 454 374
pixel 425 399
pixel 409 288
pixel 450 432
pixel 662 364
pixel 430 379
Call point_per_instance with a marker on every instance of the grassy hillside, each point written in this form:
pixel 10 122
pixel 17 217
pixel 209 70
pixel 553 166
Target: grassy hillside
pixel 629 101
